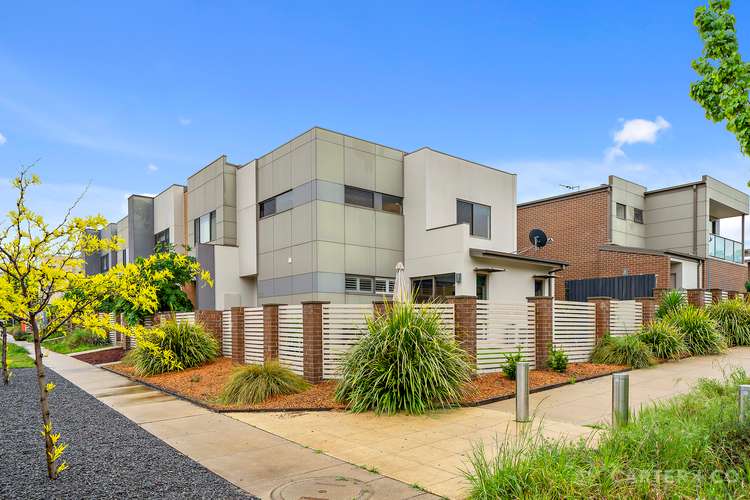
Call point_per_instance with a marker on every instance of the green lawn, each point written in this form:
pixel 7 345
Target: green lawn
pixel 18 357
pixel 76 341
pixel 63 347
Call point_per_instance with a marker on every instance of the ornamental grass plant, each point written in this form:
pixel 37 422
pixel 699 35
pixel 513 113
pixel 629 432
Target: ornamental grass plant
pixel 254 384
pixel 700 331
pixel 665 340
pixel 406 362
pixel 733 319
pixel 627 350
pixel 671 302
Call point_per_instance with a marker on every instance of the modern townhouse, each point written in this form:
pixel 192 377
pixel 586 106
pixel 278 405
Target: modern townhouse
pixel 623 240
pixel 327 217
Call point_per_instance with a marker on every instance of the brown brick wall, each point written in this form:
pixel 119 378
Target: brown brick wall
pixel 616 263
pixel 724 275
pixel 543 328
pixel 648 305
pixel 602 316
pixel 211 321
pixel 312 341
pixel 696 297
pixel 270 332
pixel 238 334
pixel 465 321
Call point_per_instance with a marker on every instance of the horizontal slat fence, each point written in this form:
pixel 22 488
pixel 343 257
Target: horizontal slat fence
pixel 185 317
pixel 625 317
pixel 574 328
pixel 503 328
pixel 447 315
pixel 708 297
pixel 254 335
pixel 226 333
pixel 290 338
pixel 343 326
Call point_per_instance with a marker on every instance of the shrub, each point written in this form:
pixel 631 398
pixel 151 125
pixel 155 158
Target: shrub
pixel 557 360
pixel 407 362
pixel 700 332
pixel 664 339
pixel 626 350
pixel 510 367
pixel 80 336
pixel 671 302
pixel 179 346
pixel 255 383
pixel 733 319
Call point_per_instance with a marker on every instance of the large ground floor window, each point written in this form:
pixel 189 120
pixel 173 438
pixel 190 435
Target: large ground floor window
pixel 426 288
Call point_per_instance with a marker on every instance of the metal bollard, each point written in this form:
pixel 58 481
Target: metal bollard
pixel 522 391
pixel 744 399
pixel 620 399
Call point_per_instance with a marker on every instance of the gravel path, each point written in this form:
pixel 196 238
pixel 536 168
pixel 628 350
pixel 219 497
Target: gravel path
pixel 109 456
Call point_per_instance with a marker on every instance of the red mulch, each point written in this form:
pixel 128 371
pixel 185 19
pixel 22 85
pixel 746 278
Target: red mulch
pixel 204 384
pixel 104 356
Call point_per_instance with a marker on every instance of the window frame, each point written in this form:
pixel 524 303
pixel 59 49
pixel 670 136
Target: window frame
pixel 624 210
pixel 104 263
pixel 158 235
pixel 359 279
pixel 472 226
pixel 636 218
pixel 486 277
pixel 433 279
pixel 197 233
pixel 356 190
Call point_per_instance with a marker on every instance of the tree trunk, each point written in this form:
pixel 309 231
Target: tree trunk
pixel 6 371
pixel 43 399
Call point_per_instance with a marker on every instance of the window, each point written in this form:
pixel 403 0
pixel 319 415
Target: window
pixel 539 287
pixel 104 261
pixel 359 197
pixel 361 284
pixel 476 216
pixel 384 285
pixel 391 203
pixel 205 228
pixel 638 215
pixel 621 211
pixel 441 285
pixel 124 256
pixel 422 289
pixel 267 208
pixel 481 286
pixel 162 237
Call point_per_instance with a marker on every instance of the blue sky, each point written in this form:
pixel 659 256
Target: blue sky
pixel 136 96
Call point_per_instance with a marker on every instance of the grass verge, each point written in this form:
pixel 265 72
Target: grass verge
pixel 18 357
pixel 689 447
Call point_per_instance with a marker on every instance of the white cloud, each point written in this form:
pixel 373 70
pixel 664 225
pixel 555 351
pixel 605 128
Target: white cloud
pixel 633 132
pixel 151 167
pixel 3 140
pixel 184 121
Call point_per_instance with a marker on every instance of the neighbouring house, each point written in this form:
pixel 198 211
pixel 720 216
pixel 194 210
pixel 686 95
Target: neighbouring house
pixel 623 240
pixel 327 217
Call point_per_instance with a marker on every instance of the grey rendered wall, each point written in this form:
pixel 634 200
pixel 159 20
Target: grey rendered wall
pixel 213 188
pixel 91 261
pixel 627 232
pixel 305 252
pixel 140 226
pixel 205 295
pixel 670 223
pixel 122 232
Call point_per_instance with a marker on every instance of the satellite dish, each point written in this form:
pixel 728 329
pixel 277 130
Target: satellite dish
pixel 538 238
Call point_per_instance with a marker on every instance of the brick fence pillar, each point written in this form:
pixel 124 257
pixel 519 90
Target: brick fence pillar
pixel 731 294
pixel 312 341
pixel 211 321
pixel 715 295
pixel 378 308
pixel 659 293
pixel 465 321
pixel 270 332
pixel 648 309
pixel 696 297
pixel 603 309
pixel 238 334
pixel 543 322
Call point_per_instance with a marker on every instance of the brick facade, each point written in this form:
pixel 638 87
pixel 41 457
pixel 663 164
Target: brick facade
pixel 724 275
pixel 270 332
pixel 696 297
pixel 312 341
pixel 648 309
pixel 543 322
pixel 211 321
pixel 602 316
pixel 238 334
pixel 465 321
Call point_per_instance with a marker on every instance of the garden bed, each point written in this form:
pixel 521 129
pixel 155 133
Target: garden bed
pixel 203 385
pixel 105 355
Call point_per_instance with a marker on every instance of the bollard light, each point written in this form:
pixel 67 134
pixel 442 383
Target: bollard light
pixel 620 399
pixel 522 391
pixel 744 400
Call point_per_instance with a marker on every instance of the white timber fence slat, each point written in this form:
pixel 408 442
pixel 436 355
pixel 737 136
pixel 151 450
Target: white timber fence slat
pixel 447 316
pixel 708 297
pixel 290 338
pixel 226 333
pixel 111 334
pixel 724 295
pixel 574 328
pixel 625 317
pixel 254 335
pixel 503 328
pixel 343 326
pixel 185 317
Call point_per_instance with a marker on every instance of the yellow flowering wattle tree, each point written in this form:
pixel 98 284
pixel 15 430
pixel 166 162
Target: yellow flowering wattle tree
pixel 42 276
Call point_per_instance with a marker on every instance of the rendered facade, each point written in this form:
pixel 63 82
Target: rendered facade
pixel 664 238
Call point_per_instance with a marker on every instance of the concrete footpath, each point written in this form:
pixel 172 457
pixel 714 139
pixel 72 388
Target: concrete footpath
pixel 261 463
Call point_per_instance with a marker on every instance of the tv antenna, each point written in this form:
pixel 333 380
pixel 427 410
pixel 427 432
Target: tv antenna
pixel 571 188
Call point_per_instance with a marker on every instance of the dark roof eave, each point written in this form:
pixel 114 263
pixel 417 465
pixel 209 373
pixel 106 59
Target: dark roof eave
pixel 490 254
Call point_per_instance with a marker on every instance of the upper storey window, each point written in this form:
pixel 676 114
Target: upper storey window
pixel 477 216
pixel 204 228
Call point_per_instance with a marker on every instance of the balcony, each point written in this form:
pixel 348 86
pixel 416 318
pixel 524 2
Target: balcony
pixel 725 249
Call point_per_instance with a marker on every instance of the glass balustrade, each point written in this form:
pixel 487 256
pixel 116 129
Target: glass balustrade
pixel 724 248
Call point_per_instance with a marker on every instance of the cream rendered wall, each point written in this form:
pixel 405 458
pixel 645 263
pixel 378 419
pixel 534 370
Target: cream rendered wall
pixel 214 188
pixel 687 272
pixel 169 214
pixel 122 232
pixel 247 229
pixel 669 220
pixel 727 195
pixel 230 288
pixel 433 242
pixel 627 232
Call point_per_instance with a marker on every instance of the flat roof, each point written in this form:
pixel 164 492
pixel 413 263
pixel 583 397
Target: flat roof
pixel 572 194
pixel 489 254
